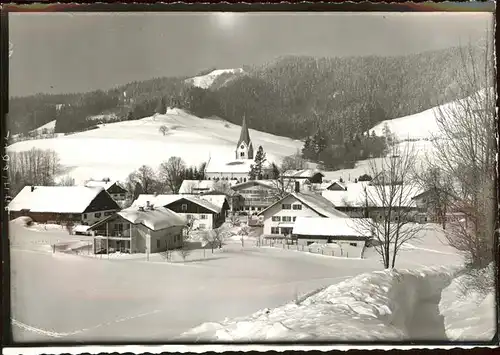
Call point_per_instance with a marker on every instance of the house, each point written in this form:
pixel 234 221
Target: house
pixel 205 211
pixel 256 195
pixel 114 189
pixel 139 230
pixel 195 187
pixel 312 176
pixel 279 218
pixel 364 200
pixel 352 231
pixel 62 204
pixel 239 168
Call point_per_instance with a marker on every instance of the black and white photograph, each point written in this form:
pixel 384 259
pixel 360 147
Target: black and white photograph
pixel 252 177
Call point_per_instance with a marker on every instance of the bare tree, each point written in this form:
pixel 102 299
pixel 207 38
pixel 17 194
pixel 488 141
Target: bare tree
pixel 465 150
pixel 215 237
pixel 67 181
pixel 163 129
pixel 172 173
pixel 143 180
pixel 394 225
pixel 293 162
pixel 244 232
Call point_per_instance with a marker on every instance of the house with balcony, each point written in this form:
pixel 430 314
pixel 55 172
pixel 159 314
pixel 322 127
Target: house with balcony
pixel 256 195
pixel 139 230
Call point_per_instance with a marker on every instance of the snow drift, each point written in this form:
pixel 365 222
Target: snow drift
pixel 372 306
pixel 469 316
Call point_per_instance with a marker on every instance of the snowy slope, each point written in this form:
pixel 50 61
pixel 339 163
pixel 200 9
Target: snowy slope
pixel 50 126
pixel 205 81
pixel 382 305
pixel 116 149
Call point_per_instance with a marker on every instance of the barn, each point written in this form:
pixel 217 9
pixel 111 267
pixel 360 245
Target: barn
pixel 63 204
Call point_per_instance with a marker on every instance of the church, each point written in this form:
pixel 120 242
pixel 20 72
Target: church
pixel 239 168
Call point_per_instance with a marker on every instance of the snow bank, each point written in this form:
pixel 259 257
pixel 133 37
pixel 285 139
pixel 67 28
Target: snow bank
pixel 372 306
pixel 470 315
pixel 22 221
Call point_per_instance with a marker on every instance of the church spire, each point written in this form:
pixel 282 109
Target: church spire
pixel 244 148
pixel 244 135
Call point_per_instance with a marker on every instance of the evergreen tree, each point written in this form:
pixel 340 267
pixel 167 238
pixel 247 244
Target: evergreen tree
pixel 260 159
pixel 130 116
pixel 161 108
pixel 252 174
pixel 275 171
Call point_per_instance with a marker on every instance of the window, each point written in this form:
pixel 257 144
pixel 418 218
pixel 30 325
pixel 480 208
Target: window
pixel 286 218
pixel 184 207
pixel 294 218
pixel 297 207
pixel 276 218
pixel 286 206
pixel 242 154
pixel 84 216
pixel 202 225
pixel 275 230
pixel 97 215
pixel 203 216
pixel 353 244
pixel 108 213
pixel 242 146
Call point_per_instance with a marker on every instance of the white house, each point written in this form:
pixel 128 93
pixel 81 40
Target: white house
pixel 139 230
pixel 204 211
pixel 279 218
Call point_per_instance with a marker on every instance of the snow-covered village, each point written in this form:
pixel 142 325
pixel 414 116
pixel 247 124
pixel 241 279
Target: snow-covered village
pixel 295 196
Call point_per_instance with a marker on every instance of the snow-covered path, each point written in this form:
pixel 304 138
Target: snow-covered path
pixel 427 323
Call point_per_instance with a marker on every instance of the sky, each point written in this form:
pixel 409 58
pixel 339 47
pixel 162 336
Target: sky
pixel 77 52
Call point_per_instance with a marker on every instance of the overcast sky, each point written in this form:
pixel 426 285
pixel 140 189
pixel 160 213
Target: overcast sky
pixel 62 52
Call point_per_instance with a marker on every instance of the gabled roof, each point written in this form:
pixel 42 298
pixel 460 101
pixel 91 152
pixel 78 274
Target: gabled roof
pixel 265 183
pixel 301 174
pixel 190 186
pixel 316 202
pixel 347 227
pixel 244 135
pixel 211 202
pixel 156 219
pixel 56 199
pixel 355 195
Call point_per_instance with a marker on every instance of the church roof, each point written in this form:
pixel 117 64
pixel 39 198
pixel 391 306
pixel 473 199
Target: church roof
pixel 244 135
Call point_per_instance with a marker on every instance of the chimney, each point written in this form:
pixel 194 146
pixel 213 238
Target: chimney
pixel 32 188
pixel 141 208
pixel 147 204
pixel 297 186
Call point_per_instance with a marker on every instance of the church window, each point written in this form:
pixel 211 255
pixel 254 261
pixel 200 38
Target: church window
pixel 242 154
pixel 244 179
pixel 242 146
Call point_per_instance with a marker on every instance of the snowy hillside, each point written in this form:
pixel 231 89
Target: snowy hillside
pixel 50 126
pixel 206 81
pixel 116 149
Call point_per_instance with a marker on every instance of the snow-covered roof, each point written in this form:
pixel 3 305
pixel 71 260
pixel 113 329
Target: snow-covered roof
pixel 80 228
pixel 211 202
pixel 265 183
pixel 314 201
pixel 355 195
pixel 233 166
pixel 301 174
pixel 346 227
pixel 155 219
pixel 191 186
pixel 57 199
pixel 101 183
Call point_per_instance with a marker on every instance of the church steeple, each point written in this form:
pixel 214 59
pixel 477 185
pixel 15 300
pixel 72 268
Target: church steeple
pixel 244 148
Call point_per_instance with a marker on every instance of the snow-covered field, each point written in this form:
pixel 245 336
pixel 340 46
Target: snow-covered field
pixel 206 81
pixel 75 297
pixel 116 149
